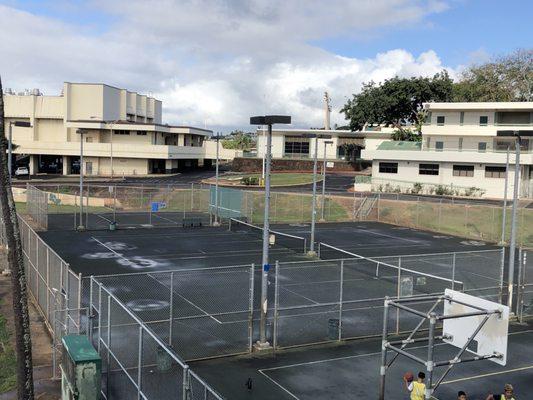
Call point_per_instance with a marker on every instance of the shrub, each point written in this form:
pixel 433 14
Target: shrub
pixel 417 188
pixel 250 180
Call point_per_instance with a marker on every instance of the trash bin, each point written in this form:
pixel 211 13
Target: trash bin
pixel 113 226
pixel 333 329
pixel 164 361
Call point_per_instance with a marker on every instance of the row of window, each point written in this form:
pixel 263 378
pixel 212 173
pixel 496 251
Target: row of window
pixel 124 132
pixel 441 119
pixel 433 169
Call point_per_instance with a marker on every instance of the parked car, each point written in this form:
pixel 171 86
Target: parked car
pixel 21 171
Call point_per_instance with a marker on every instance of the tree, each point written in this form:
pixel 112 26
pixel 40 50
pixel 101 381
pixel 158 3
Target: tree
pixel 239 140
pixel 18 278
pixel 396 101
pixel 506 78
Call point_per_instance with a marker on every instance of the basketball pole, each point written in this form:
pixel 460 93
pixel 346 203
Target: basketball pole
pixel 512 243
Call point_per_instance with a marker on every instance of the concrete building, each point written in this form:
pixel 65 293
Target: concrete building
pixel 461 150
pixel 347 145
pixel 123 133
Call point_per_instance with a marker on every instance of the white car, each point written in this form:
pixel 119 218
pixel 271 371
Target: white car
pixel 22 171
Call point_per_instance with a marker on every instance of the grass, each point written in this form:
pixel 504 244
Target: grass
pixel 8 361
pixel 288 179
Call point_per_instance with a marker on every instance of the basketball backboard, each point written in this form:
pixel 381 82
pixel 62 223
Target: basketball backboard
pixel 492 337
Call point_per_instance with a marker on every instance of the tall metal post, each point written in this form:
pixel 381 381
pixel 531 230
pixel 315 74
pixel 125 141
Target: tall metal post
pixel 266 236
pixel 111 155
pixel 10 151
pixel 383 367
pixel 506 185
pixel 313 213
pixel 324 182
pixel 513 221
pixel 431 345
pixel 80 226
pixel 216 223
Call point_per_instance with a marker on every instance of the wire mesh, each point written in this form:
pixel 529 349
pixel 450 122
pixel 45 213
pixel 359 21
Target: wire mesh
pixel 37 206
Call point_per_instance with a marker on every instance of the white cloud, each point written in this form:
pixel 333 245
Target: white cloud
pixel 215 61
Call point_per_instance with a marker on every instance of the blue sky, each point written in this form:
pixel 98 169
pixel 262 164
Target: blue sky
pixel 213 62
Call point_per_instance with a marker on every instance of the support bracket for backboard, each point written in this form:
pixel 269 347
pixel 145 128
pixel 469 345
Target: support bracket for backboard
pixel 481 320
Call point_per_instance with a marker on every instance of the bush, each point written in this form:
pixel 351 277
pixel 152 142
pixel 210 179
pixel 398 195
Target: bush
pixel 417 188
pixel 250 180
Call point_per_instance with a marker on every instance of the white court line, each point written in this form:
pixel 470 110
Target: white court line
pixel 129 261
pixel 166 219
pixel 104 218
pixel 187 300
pixel 392 237
pixel 508 371
pixel 298 294
pixel 278 385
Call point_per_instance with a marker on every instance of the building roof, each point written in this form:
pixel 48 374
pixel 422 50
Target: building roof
pixel 399 145
pixel 509 105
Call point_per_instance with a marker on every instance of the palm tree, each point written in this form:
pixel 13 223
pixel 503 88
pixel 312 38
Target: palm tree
pixel 18 277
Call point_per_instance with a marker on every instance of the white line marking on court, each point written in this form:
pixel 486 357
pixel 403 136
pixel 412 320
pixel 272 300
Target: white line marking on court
pixel 104 218
pixel 278 385
pixel 391 236
pixel 111 250
pixel 508 371
pixel 187 300
pixel 298 294
pixel 166 219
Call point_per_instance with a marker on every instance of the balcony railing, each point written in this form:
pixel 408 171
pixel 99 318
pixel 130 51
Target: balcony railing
pixel 419 147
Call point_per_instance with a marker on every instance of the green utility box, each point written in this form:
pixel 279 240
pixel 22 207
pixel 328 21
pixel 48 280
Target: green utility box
pixel 81 369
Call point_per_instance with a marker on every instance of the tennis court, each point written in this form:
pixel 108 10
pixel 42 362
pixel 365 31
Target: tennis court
pixel 197 290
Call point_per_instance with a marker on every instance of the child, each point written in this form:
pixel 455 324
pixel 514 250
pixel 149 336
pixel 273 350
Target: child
pixel 416 388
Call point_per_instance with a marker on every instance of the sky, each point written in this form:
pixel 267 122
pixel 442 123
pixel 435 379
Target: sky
pixel 214 63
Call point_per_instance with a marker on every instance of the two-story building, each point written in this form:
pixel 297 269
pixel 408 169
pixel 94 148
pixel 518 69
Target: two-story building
pixel 462 151
pixel 122 130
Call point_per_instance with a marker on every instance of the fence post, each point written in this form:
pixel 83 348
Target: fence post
pixel 453 270
pixel 379 205
pixel 171 312
pixel 99 315
pixel 139 363
pixel 48 282
pixel 417 211
pixel 276 306
pixel 251 309
pixel 185 385
pixel 38 273
pixel 340 298
pixel 466 220
pixel 108 343
pixel 519 279
pixel 79 303
pixel 90 312
pixel 398 294
pixel 502 272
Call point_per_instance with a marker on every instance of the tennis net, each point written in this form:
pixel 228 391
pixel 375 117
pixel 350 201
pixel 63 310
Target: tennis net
pixel 411 282
pixel 297 244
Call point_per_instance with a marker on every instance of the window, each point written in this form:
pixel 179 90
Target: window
pixel 141 133
pixel 295 145
pixel 121 132
pixel 494 172
pixel 501 144
pixel 482 147
pixel 439 146
pixel 460 144
pixel 483 120
pixel 463 170
pixel 440 120
pixel 89 139
pixel 428 169
pixel 388 168
pixel 427 120
pixel 462 118
pixel 514 118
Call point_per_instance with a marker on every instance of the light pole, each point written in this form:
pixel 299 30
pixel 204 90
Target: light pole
pixel 326 142
pixel 21 124
pixel 217 222
pixel 81 227
pixel 269 120
pixel 516 194
pixel 311 251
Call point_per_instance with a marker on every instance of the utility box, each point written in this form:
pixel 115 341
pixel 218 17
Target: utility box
pixel 81 369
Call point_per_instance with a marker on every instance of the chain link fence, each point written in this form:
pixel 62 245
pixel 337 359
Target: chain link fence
pixel 525 284
pixel 136 361
pixel 340 298
pixel 201 313
pixel 37 206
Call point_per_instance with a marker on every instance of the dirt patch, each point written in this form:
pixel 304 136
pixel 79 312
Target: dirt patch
pixel 45 388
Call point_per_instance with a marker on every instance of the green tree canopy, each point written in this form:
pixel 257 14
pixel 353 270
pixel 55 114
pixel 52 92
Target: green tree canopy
pixel 506 78
pixel 239 140
pixel 397 101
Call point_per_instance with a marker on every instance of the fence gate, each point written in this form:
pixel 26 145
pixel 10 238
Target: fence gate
pixel 525 285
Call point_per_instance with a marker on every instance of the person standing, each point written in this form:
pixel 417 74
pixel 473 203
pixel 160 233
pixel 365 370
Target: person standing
pixel 461 395
pixel 508 394
pixel 417 388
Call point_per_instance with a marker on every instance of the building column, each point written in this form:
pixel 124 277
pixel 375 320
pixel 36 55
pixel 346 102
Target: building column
pixel 171 166
pixel 66 165
pixel 33 163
